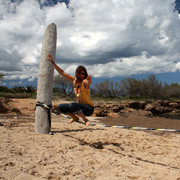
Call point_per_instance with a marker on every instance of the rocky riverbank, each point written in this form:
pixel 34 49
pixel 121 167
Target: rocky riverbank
pixel 147 108
pixel 102 108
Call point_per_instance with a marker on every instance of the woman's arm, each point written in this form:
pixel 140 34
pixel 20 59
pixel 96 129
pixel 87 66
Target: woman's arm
pixel 87 82
pixel 60 71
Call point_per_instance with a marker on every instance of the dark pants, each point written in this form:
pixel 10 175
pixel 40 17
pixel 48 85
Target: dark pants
pixel 76 108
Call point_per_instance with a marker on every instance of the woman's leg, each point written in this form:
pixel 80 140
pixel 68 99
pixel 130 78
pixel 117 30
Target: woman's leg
pixel 69 109
pixel 74 118
pixel 87 122
pixel 87 109
pixel 73 109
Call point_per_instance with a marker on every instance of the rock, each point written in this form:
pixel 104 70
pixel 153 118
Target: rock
pixel 168 109
pixel 145 113
pixel 127 110
pixel 155 108
pixel 4 100
pixel 16 110
pixel 101 113
pixel 3 108
pixel 114 115
pixel 175 111
pixel 117 109
pixel 137 105
pixel 158 109
pixel 174 105
pixel 149 107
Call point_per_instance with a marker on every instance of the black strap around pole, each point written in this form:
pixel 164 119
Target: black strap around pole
pixel 48 107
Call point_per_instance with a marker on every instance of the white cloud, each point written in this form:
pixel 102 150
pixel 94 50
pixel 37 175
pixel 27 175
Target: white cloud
pixel 135 65
pixel 177 66
pixel 109 37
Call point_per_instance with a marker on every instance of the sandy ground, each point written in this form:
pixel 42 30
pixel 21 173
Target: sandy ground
pixel 79 152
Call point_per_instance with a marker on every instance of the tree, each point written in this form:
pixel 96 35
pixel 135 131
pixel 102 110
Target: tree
pixel 130 87
pixel 65 85
pixel 144 88
pixel 99 89
pixel 5 89
pixel 172 90
pixel 29 89
pixel 1 77
pixel 155 87
pixel 18 89
pixel 107 88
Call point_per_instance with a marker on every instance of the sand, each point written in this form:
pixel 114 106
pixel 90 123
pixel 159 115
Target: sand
pixel 84 153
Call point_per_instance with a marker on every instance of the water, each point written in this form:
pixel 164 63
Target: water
pixel 171 116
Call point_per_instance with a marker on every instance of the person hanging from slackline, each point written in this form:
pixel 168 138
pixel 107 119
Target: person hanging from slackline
pixel 81 82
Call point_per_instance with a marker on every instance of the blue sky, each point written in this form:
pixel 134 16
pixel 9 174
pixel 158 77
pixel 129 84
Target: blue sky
pixel 113 39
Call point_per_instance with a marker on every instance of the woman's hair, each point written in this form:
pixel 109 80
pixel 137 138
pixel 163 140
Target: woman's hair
pixel 79 70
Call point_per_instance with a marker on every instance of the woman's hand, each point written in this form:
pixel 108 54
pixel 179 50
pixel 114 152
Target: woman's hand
pixel 59 70
pixel 89 78
pixel 50 58
pixel 87 81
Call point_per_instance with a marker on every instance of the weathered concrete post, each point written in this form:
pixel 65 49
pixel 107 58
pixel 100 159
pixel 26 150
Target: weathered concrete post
pixel 45 80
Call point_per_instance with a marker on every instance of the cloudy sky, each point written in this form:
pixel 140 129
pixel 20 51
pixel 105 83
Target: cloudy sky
pixel 111 38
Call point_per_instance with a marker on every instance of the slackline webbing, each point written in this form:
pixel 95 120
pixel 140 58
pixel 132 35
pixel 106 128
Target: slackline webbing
pixel 102 125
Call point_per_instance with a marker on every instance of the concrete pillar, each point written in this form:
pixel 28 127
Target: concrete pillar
pixel 45 80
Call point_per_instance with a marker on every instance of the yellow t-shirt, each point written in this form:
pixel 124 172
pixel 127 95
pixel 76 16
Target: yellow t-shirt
pixel 82 94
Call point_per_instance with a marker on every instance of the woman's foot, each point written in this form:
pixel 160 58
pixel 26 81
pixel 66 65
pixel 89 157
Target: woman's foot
pixel 88 123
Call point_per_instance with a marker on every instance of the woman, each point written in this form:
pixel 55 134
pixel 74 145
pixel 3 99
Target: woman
pixel 82 83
